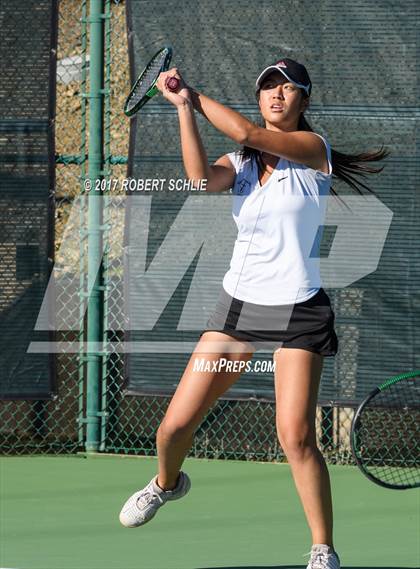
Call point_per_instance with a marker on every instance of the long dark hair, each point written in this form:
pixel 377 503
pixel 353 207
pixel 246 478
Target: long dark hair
pixel 343 165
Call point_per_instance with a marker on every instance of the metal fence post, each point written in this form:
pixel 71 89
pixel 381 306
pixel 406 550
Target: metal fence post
pixel 95 228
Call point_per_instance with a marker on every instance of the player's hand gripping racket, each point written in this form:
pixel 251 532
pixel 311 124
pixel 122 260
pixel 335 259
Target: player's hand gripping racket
pixel 145 86
pixel 385 433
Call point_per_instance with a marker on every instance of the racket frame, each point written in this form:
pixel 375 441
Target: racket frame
pixel 356 423
pixel 152 89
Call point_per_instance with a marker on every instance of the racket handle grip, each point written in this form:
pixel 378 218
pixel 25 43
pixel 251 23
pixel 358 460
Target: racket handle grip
pixel 172 83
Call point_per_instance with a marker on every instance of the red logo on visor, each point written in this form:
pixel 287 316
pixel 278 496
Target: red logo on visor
pixel 281 64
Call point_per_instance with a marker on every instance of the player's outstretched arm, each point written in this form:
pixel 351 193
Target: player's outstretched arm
pixel 218 177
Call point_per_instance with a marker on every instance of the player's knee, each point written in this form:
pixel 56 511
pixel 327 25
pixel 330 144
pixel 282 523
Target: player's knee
pixel 174 430
pixel 295 442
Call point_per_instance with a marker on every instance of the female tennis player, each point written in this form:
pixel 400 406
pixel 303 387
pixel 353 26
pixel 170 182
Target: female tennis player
pixel 280 181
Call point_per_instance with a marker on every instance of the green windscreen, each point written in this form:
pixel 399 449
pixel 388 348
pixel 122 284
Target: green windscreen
pixel 363 61
pixel 27 55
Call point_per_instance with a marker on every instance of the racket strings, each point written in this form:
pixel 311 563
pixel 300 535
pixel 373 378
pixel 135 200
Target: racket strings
pixel 147 79
pixel 389 434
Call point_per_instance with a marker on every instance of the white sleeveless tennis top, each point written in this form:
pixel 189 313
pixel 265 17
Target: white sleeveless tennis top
pixel 275 258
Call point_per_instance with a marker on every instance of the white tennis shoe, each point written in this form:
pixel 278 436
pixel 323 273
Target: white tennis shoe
pixel 323 557
pixel 142 506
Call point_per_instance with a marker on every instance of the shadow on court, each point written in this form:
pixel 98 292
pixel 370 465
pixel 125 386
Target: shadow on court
pixel 223 530
pixel 300 567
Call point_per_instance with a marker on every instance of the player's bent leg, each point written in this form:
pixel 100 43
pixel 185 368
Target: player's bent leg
pixel 200 386
pixel 208 375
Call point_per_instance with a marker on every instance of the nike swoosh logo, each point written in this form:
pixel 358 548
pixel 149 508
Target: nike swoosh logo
pixel 280 179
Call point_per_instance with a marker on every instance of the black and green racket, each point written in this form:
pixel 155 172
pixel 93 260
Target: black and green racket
pixel 145 86
pixel 385 433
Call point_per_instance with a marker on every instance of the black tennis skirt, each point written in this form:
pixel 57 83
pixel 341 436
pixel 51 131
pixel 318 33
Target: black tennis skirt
pixel 308 325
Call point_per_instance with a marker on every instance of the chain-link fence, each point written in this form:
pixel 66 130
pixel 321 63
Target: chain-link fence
pixel 232 429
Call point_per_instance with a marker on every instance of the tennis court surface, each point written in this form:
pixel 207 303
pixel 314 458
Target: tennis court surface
pixel 62 513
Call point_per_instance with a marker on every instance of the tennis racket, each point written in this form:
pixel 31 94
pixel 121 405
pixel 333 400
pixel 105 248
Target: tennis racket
pixel 385 433
pixel 145 86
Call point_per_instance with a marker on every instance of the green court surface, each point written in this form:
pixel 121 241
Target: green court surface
pixel 62 513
